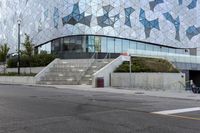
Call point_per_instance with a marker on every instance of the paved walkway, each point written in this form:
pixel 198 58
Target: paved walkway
pixel 156 93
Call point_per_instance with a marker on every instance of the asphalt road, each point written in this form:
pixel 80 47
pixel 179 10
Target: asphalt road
pixel 28 109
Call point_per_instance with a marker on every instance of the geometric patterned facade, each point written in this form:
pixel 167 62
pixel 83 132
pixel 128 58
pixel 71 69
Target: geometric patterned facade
pixel 173 23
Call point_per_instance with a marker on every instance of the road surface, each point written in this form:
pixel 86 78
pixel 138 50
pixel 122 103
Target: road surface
pixel 29 109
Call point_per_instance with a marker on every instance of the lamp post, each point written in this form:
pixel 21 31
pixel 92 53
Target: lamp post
pixel 19 41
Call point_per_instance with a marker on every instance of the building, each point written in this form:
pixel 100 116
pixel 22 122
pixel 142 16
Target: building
pixel 106 26
pixel 78 28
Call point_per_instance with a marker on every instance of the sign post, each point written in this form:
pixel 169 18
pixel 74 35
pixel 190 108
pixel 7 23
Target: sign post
pixel 130 71
pixel 127 57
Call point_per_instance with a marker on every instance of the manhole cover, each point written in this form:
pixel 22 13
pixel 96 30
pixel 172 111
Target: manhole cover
pixel 140 93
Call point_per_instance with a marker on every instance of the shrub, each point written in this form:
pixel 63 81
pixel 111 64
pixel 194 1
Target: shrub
pixel 16 74
pixel 37 60
pixel 141 64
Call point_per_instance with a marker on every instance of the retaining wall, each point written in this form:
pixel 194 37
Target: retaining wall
pixel 161 81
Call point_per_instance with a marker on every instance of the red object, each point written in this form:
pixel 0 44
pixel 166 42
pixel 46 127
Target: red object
pixel 125 54
pixel 100 82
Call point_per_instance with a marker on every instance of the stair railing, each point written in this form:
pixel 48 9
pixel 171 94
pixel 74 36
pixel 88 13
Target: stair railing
pixel 89 63
pixel 106 57
pixel 1 69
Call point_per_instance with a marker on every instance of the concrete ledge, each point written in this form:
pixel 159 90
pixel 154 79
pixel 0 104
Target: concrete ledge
pixel 17 80
pixel 149 81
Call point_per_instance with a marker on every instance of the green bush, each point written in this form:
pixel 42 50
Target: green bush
pixel 141 64
pixel 16 74
pixel 11 63
pixel 37 60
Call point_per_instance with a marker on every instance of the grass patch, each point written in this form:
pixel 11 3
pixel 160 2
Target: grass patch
pixel 143 64
pixel 16 74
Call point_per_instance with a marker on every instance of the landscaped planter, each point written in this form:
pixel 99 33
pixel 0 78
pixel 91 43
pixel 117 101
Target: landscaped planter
pixel 161 81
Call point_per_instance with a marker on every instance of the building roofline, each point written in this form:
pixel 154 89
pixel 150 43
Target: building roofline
pixel 156 44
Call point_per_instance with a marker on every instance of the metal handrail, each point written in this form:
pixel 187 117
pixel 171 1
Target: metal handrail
pixel 1 68
pixel 90 62
pixel 106 57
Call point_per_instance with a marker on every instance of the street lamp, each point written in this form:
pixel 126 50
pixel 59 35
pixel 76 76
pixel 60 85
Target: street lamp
pixel 19 41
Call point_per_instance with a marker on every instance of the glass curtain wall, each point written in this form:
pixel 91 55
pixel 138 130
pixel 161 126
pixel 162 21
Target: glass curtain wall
pixel 102 44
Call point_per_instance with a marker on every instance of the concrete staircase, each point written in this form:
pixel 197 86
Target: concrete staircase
pixel 73 72
pixel 96 65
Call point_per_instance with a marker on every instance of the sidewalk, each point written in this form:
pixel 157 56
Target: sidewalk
pixel 167 94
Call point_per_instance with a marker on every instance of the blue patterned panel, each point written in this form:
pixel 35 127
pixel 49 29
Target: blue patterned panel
pixel 192 5
pixel 175 22
pixel 192 31
pixel 107 20
pixel 180 2
pixel 128 12
pixel 154 3
pixel 76 17
pixel 56 17
pixel 46 14
pixel 148 25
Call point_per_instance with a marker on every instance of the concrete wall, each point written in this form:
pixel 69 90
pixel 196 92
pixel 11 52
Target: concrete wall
pixel 17 80
pixel 26 69
pixel 161 81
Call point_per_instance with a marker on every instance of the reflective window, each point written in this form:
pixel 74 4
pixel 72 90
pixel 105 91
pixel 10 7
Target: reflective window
pixel 55 46
pixel 141 46
pixel 118 46
pixel 172 50
pixel 156 48
pixel 125 45
pixel 164 49
pixel 97 44
pixel 180 51
pixel 45 48
pixel 90 42
pixel 149 47
pixel 133 45
pixel 66 44
pixel 74 43
pixel 104 44
pixel 111 45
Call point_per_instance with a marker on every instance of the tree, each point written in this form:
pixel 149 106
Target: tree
pixel 4 49
pixel 28 49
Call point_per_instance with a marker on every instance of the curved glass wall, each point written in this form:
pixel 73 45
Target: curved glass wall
pixel 102 44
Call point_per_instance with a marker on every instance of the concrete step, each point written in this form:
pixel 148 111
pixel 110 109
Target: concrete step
pixel 86 83
pixel 70 67
pixel 69 72
pixel 60 78
pixel 57 83
pixel 64 74
pixel 97 65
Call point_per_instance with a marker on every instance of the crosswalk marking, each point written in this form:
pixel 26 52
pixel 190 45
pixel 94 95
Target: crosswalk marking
pixel 177 111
